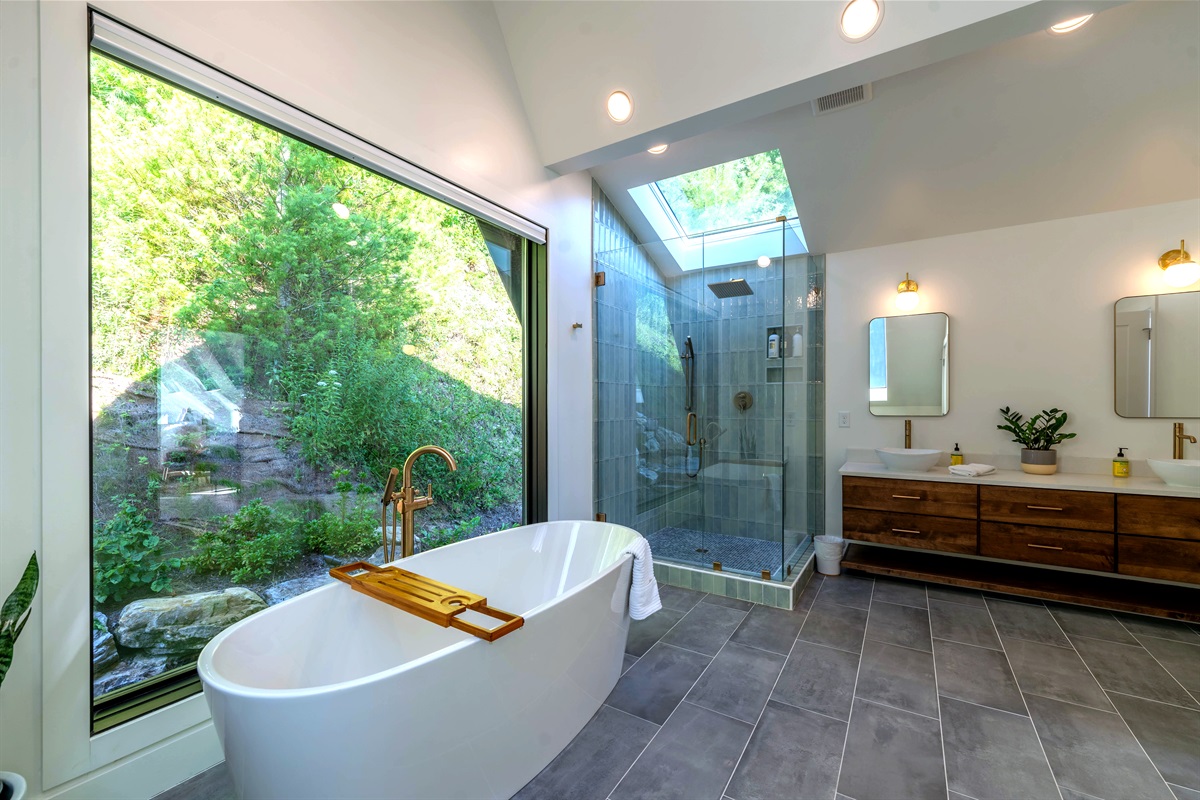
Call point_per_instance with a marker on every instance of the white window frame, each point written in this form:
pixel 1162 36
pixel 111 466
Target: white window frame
pixel 68 748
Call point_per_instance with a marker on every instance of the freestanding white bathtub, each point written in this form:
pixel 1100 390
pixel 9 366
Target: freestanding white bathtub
pixel 335 695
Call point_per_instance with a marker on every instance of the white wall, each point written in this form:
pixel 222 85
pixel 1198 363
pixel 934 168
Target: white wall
pixel 1031 327
pixel 20 424
pixel 428 81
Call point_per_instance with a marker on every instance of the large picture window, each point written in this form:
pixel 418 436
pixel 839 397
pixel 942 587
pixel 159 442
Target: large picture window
pixel 272 328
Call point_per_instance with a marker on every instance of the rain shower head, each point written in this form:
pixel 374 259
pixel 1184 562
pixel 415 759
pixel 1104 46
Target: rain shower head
pixel 734 288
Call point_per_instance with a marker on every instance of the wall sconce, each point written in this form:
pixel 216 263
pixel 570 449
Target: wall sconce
pixel 906 294
pixel 1179 268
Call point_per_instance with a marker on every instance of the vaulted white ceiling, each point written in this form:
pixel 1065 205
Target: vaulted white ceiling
pixel 694 66
pixel 1034 128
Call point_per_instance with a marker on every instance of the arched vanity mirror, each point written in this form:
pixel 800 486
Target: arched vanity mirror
pixel 1156 355
pixel 910 365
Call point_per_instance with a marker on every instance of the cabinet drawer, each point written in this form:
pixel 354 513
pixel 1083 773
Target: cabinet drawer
pixel 1091 511
pixel 911 497
pixel 1165 559
pixel 911 530
pixel 1168 517
pixel 1057 546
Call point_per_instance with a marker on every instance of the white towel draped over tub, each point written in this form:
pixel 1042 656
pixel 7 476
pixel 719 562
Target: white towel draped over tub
pixel 643 589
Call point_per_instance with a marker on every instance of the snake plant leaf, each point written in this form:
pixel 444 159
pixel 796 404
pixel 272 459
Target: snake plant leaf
pixel 15 613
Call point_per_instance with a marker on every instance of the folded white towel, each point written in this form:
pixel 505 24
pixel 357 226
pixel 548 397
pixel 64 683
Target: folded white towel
pixel 643 589
pixel 972 470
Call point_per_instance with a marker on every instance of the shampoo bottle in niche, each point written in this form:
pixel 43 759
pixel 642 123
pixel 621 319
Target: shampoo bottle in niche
pixel 956 456
pixel 797 344
pixel 1121 464
pixel 773 346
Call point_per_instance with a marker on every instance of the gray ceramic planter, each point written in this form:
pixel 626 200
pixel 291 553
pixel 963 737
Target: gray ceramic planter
pixel 1039 462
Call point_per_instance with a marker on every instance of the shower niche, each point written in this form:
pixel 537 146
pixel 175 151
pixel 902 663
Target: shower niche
pixel 706 443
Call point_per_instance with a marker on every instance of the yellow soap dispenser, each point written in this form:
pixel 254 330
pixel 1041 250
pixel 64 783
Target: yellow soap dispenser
pixel 956 456
pixel 1121 464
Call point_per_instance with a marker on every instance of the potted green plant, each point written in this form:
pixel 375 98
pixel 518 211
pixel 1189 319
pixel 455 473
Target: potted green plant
pixel 1037 436
pixel 13 616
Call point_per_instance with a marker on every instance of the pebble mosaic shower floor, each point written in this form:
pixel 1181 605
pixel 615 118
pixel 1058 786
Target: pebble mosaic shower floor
pixel 736 553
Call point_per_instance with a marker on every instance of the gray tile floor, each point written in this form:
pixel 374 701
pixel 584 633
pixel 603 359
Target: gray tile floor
pixel 891 689
pixel 883 689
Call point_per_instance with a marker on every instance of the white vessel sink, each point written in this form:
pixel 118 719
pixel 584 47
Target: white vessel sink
pixel 1183 472
pixel 907 458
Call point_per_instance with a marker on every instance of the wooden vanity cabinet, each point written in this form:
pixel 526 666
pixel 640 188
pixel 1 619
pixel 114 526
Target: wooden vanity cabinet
pixel 923 514
pixel 1141 535
pixel 1048 526
pixel 1098 535
pixel 1056 508
pixel 1053 546
pixel 1159 537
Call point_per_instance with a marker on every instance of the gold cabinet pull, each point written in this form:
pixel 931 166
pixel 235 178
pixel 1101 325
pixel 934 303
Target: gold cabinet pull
pixel 904 530
pixel 1043 508
pixel 906 496
pixel 1044 546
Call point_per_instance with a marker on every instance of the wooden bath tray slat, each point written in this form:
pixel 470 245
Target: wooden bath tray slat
pixel 426 598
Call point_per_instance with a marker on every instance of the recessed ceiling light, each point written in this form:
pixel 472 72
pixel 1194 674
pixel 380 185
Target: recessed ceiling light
pixel 764 261
pixel 658 149
pixel 620 107
pixel 1071 24
pixel 861 18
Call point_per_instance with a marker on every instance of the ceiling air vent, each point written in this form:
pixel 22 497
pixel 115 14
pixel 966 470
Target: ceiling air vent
pixel 853 96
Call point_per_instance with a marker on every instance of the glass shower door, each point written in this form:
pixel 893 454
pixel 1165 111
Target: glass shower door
pixel 708 389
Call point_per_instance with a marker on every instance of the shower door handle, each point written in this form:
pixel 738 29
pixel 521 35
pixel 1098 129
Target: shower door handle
pixel 691 429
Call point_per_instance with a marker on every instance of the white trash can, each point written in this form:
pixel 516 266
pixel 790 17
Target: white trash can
pixel 830 550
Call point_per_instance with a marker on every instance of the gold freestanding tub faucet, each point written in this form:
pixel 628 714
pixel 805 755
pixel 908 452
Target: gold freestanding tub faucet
pixel 1177 440
pixel 406 501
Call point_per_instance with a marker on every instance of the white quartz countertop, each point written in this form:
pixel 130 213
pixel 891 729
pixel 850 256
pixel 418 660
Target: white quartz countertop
pixel 1076 482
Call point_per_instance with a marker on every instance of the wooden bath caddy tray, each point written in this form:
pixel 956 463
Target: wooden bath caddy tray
pixel 428 599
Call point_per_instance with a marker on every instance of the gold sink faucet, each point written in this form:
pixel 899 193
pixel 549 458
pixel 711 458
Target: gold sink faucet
pixel 908 434
pixel 405 502
pixel 1177 440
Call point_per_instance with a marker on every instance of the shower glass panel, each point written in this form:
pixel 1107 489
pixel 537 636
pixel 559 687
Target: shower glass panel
pixel 705 357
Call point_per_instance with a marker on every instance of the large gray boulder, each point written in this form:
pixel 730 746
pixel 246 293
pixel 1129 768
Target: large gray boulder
pixel 184 624
pixel 137 668
pixel 132 670
pixel 104 649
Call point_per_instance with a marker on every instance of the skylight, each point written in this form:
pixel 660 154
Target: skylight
pixel 736 194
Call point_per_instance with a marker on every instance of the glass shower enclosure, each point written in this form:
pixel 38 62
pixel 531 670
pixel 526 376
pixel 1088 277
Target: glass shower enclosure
pixel 710 398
